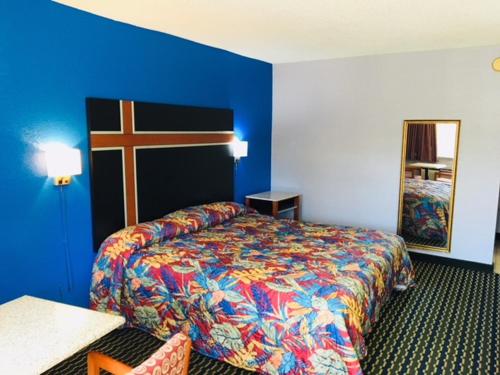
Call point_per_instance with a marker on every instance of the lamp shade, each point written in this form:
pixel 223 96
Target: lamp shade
pixel 62 160
pixel 240 148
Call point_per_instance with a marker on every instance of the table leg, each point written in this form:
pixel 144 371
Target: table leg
pixel 296 211
pixel 275 209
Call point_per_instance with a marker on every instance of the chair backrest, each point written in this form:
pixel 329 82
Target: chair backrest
pixel 444 174
pixel 412 172
pixel 171 359
pixel 409 173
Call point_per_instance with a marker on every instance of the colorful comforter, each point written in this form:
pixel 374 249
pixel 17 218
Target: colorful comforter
pixel 426 209
pixel 275 296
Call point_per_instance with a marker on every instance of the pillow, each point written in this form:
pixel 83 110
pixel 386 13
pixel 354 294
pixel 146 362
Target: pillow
pixel 210 214
pixel 187 220
pixel 116 250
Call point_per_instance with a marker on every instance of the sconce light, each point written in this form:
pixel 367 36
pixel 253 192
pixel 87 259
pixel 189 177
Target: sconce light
pixel 240 149
pixel 62 163
pixel 496 64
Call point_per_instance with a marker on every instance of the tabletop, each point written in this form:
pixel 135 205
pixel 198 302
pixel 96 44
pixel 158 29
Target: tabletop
pixel 272 196
pixel 427 165
pixel 36 334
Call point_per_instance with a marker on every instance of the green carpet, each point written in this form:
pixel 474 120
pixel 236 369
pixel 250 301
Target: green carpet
pixel 448 324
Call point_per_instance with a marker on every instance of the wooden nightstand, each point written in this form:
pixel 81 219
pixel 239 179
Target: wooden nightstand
pixel 275 203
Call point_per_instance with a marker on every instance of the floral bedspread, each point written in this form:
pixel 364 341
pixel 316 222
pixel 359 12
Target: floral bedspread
pixel 274 296
pixel 426 209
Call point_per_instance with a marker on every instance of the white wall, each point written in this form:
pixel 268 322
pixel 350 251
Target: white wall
pixel 498 218
pixel 337 137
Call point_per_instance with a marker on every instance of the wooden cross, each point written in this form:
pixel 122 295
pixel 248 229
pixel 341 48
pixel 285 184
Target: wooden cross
pixel 128 139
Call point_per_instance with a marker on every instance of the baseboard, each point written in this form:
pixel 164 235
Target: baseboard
pixel 451 262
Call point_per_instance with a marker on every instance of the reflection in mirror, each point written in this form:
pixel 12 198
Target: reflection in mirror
pixel 428 171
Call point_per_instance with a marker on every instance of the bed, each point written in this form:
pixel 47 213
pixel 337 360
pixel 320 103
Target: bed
pixel 426 209
pixel 273 296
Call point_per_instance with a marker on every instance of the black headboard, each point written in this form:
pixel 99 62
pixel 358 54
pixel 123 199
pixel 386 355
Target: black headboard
pixel 149 159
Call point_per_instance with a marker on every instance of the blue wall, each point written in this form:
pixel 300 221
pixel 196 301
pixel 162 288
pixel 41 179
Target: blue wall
pixel 51 58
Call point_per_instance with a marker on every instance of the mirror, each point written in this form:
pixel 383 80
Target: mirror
pixel 428 175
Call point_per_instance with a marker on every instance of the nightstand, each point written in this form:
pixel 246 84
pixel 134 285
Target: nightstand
pixel 275 203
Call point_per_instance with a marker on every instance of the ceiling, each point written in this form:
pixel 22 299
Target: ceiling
pixel 281 31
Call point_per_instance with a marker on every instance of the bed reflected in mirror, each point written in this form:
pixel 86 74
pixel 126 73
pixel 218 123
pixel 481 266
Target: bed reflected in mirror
pixel 428 175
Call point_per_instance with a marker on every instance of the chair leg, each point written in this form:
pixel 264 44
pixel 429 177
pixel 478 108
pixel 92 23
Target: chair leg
pixel 187 355
pixel 92 365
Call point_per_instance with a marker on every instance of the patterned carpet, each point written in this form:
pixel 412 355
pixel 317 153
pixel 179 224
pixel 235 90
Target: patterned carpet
pixel 448 324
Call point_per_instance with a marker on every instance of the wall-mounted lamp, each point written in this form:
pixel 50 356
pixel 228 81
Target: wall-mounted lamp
pixel 62 163
pixel 240 149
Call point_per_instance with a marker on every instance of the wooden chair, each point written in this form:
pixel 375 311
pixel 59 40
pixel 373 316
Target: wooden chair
pixel 171 359
pixel 444 174
pixel 412 172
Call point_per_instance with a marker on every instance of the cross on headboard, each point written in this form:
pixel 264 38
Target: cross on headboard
pixel 128 130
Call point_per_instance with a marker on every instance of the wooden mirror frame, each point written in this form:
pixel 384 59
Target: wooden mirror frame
pixel 417 246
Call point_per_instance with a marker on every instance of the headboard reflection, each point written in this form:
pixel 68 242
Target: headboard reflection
pixel 149 159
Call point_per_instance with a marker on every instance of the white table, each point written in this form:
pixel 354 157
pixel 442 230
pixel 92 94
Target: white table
pixel 427 166
pixel 280 202
pixel 36 334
